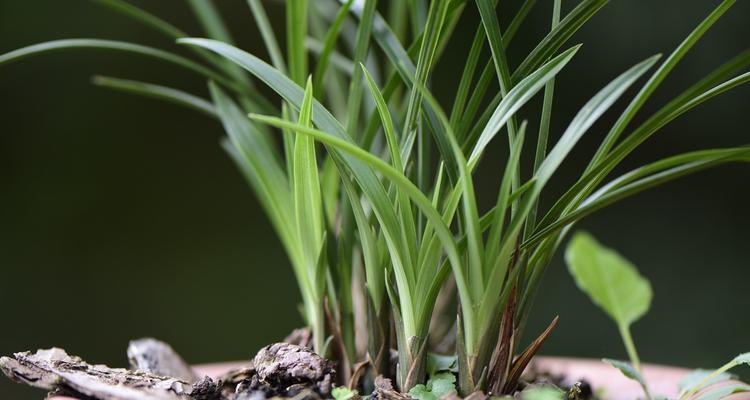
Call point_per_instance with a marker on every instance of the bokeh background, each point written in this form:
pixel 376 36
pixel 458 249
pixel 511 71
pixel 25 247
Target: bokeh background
pixel 121 217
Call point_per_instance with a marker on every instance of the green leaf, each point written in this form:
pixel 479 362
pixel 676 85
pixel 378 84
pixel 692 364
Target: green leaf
pixel 404 206
pixel 630 372
pixel 704 380
pixel 296 26
pixel 364 30
pixel 611 281
pixel 307 195
pixel 437 387
pixel 626 370
pixel 558 36
pixel 215 28
pixel 545 392
pixel 143 16
pixel 329 44
pixel 420 392
pixel 166 28
pixel 442 384
pixel 266 32
pixel 309 216
pixel 101 44
pixel 698 376
pixel 373 268
pixel 503 198
pixel 516 98
pixel 343 393
pixel 159 92
pixel 492 29
pixel 724 391
pixel 544 125
pixel 210 19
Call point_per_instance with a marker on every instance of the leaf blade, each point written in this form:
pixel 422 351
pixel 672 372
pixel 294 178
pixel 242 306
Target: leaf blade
pixel 611 281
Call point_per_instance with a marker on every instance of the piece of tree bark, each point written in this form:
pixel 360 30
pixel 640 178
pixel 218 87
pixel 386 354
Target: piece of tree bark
pixel 158 358
pixel 281 369
pixel 54 370
pixel 292 369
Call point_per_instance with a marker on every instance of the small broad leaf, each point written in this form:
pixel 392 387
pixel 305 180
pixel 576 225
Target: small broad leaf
pixel 626 369
pixel 420 392
pixel 629 371
pixel 439 386
pixel 723 391
pixel 546 392
pixel 343 393
pixel 612 282
pixel 439 363
pixel 699 375
pixel 442 384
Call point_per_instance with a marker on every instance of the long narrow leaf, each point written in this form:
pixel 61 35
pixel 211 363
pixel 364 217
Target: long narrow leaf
pixel 329 44
pixel 516 98
pixel 159 92
pixel 656 79
pixel 643 178
pixel 101 44
pixel 557 38
pixel 266 32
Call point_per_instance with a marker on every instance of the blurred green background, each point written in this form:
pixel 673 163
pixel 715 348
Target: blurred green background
pixel 121 217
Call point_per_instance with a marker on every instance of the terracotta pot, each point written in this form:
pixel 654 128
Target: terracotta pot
pixel 662 380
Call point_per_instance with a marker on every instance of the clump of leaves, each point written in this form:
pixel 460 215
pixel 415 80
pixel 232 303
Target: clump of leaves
pixel 370 184
pixel 615 285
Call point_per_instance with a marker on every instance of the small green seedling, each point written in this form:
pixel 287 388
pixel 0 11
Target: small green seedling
pixel 614 284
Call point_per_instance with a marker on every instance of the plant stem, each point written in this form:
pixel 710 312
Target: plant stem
pixel 630 347
pixel 633 355
pixel 318 323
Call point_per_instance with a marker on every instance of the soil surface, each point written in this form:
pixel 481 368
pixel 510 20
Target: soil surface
pixel 157 372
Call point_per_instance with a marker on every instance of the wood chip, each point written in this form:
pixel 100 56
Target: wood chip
pixel 158 358
pixel 54 370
